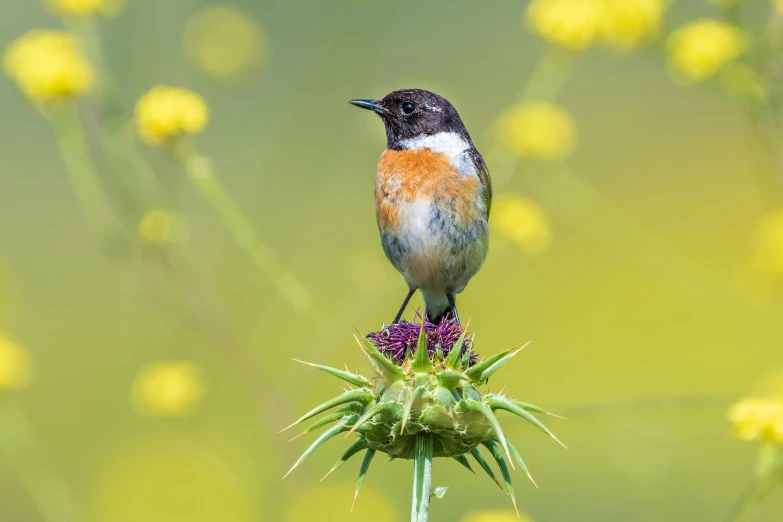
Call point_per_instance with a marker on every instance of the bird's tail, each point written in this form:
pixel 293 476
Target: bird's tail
pixel 436 306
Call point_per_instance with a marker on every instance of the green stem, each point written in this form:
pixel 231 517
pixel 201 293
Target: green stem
pixel 422 478
pixel 749 501
pixel 82 173
pixel 199 170
pixel 135 178
pixel 47 490
pixel 553 68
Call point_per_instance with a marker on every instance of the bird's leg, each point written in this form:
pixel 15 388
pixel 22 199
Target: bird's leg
pixel 404 305
pixel 453 307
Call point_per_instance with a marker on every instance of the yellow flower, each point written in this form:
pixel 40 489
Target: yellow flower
pixel 77 8
pixel 758 420
pixel 699 49
pixel 521 221
pixel 769 242
pixel 168 389
pixel 495 516
pixel 778 5
pixel 224 42
pixel 165 113
pixel 631 23
pixel 574 24
pixel 49 65
pixel 537 130
pixel 158 227
pixel 14 365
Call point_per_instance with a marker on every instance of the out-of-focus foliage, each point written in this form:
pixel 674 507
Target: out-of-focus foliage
pixel 225 42
pixel 636 240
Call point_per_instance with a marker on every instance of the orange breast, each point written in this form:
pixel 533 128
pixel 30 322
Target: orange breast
pixel 405 176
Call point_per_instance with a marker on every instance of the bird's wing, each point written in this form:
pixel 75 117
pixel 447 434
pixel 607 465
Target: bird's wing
pixel 483 174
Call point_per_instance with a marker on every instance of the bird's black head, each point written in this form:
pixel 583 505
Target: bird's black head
pixel 412 113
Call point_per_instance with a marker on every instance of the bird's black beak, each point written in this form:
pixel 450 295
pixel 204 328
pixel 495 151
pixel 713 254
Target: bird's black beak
pixel 370 105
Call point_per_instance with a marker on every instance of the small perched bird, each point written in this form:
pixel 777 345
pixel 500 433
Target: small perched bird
pixel 432 198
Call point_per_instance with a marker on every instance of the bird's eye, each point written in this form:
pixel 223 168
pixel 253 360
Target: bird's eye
pixel 408 108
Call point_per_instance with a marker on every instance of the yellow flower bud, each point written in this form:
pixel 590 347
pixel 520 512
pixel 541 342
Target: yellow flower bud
pixel 495 516
pixel 14 365
pixel 574 24
pixel 224 42
pixel 158 227
pixel 165 113
pixel 168 389
pixel 49 65
pixel 522 222
pixel 81 8
pixel 537 130
pixel 631 23
pixel 700 49
pixel 757 419
pixel 769 242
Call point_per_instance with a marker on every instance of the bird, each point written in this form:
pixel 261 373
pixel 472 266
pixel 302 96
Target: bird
pixel 433 195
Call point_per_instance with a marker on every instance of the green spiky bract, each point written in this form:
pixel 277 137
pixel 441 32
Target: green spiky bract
pixel 424 406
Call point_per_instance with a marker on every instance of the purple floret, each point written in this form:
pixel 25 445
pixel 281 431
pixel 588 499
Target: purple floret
pixel 398 341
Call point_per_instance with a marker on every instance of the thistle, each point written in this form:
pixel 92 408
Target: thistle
pixel 424 401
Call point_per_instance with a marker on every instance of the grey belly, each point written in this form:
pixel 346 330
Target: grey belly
pixel 439 256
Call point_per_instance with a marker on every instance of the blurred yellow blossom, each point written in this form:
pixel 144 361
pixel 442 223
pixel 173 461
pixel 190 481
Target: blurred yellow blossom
pixel 168 389
pixel 631 23
pixel 769 242
pixel 574 24
pixel 495 516
pixel 758 420
pixel 158 227
pixel 224 42
pixel 14 365
pixel 778 5
pixel 538 130
pixel 699 49
pixel 78 8
pixel 49 65
pixel 521 221
pixel 165 113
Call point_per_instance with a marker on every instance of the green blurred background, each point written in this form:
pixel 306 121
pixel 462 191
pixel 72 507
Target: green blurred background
pixel 641 295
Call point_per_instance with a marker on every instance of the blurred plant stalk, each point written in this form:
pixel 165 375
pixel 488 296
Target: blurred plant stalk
pixel 769 477
pixel 136 185
pixel 48 491
pixel 202 175
pixel 83 175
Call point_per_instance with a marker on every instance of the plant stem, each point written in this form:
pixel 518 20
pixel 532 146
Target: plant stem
pixel 549 75
pixel 422 478
pixel 47 490
pixel 83 175
pixel 199 170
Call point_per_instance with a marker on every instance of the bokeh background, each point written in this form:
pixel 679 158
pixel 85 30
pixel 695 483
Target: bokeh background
pixel 636 266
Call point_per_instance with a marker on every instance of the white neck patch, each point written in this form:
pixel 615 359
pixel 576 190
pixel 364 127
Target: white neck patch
pixel 450 144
